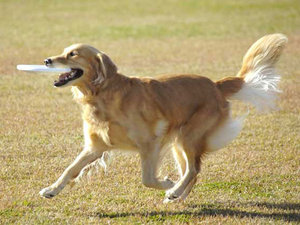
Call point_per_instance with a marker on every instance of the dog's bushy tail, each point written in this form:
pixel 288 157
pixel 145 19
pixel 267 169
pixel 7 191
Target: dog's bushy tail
pixel 257 81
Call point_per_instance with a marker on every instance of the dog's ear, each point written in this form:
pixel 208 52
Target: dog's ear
pixel 105 68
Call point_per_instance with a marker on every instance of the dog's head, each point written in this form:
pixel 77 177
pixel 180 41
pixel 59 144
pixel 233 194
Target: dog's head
pixel 88 65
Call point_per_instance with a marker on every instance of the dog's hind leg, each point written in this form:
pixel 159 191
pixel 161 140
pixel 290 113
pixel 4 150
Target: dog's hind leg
pixel 192 140
pixel 188 179
pixel 150 159
pixel 188 189
pixel 84 158
pixel 180 159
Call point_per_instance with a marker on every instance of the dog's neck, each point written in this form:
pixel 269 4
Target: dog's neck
pixel 87 91
pixel 84 90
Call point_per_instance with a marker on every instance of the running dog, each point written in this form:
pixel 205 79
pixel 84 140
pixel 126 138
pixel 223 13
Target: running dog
pixel 190 113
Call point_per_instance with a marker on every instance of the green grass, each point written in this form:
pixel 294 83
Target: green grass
pixel 255 180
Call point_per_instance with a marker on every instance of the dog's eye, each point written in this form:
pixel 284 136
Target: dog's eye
pixel 73 54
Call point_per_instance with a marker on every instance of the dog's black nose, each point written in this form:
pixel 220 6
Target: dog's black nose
pixel 47 61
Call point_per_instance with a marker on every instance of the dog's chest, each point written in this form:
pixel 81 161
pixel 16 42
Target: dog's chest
pixel 93 113
pixel 98 122
pixel 95 123
pixel 95 116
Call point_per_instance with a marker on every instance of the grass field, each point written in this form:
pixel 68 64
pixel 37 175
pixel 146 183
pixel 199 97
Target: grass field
pixel 255 180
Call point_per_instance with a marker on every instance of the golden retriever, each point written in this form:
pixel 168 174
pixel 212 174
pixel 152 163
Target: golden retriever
pixel 191 113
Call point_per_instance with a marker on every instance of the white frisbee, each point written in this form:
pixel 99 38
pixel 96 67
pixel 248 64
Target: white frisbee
pixel 42 68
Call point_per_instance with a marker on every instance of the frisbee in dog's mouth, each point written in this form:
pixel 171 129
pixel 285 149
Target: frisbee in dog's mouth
pixel 65 78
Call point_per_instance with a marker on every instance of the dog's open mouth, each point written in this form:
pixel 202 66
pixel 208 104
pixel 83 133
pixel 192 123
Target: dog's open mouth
pixel 65 78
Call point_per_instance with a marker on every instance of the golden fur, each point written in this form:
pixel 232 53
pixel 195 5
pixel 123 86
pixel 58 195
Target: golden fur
pixel 146 114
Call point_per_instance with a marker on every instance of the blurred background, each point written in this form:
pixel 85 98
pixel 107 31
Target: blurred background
pixel 144 32
pixel 254 180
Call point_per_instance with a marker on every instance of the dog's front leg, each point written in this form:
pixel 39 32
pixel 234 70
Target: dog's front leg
pixel 84 158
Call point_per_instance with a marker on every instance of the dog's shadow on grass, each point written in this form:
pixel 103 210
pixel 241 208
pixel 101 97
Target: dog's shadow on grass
pixel 221 209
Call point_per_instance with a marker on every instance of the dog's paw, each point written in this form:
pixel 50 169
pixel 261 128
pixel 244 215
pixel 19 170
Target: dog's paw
pixel 171 196
pixel 48 192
